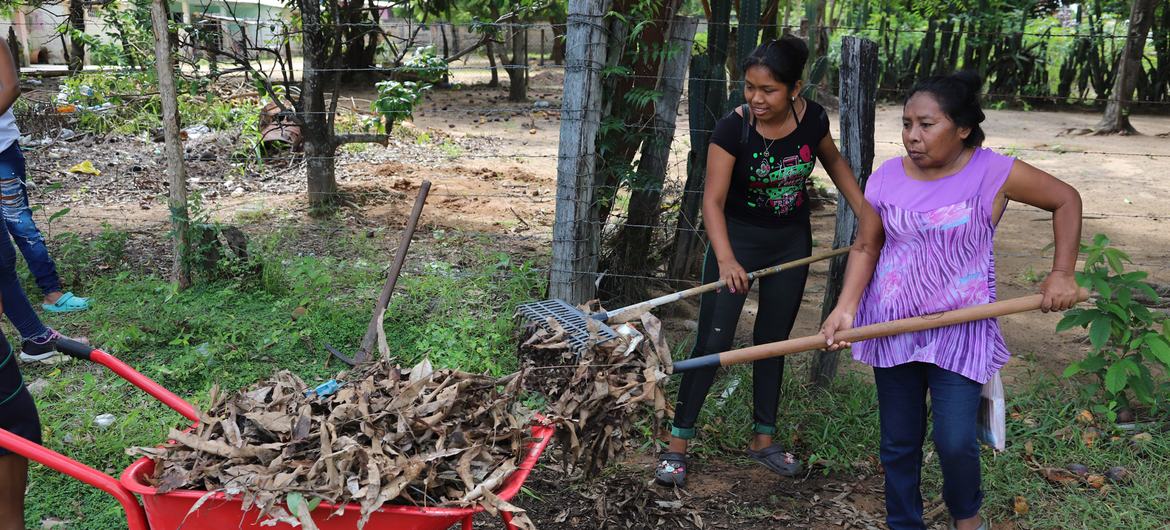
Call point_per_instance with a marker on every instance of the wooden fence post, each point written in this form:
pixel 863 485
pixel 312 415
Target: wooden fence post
pixel 173 148
pixel 859 72
pixel 576 241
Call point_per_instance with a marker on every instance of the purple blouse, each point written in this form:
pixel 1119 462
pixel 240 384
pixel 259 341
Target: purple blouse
pixel 938 255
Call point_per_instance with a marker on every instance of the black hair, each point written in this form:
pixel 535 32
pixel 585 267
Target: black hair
pixel 784 58
pixel 958 96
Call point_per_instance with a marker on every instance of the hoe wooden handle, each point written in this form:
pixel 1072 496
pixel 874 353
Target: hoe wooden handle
pixel 628 313
pixel 872 331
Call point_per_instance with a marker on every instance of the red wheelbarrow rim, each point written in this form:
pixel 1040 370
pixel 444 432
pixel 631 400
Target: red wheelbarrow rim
pixel 133 478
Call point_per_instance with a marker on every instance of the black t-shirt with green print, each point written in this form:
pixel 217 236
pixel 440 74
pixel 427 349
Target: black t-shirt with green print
pixel 768 180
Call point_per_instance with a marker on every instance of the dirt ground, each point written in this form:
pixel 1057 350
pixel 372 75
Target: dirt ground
pixel 493 165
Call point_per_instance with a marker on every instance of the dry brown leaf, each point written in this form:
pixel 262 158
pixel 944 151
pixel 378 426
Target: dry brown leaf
pixel 1059 476
pixel 1020 505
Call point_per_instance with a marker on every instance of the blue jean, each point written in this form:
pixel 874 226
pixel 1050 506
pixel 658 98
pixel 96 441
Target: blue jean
pixel 18 218
pixel 16 305
pixel 954 404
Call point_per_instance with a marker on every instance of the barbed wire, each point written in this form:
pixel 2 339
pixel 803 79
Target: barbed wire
pixel 529 25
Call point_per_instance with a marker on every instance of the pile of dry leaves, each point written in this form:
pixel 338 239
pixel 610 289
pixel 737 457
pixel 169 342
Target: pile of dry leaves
pixel 598 396
pixel 419 436
pixel 423 437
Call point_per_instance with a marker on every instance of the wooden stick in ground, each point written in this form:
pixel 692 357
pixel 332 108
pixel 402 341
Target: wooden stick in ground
pixel 375 327
pixel 628 313
pixel 873 331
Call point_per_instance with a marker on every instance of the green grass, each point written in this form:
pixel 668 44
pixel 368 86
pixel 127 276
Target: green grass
pixel 235 332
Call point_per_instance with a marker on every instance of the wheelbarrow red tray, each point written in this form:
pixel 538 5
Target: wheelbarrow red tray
pixel 172 510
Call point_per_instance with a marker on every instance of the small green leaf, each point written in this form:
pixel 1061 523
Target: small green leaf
pixel 1102 287
pixel 59 214
pixel 1069 321
pixel 1092 364
pixel 1134 276
pixel 294 501
pixel 1073 369
pixel 1099 331
pixel 1159 348
pixel 1115 378
pixel 1149 291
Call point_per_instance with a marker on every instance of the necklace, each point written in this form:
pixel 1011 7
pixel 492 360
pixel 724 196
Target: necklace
pixel 768 143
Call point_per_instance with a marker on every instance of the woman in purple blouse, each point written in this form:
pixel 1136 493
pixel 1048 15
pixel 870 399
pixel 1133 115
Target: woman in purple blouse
pixel 939 207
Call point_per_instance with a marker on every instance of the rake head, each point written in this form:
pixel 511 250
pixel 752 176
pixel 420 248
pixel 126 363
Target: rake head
pixel 575 323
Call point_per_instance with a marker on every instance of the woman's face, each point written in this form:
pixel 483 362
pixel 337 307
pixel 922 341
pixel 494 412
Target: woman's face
pixel 930 136
pixel 767 98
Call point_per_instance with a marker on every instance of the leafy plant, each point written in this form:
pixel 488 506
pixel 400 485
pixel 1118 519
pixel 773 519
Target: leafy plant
pixel 424 65
pixel 396 100
pixel 1123 332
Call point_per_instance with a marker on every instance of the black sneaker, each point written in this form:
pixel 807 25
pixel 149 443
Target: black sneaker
pixel 33 351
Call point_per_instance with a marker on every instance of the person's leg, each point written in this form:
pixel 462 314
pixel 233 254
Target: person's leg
pixel 718 317
pixel 13 480
pixel 18 415
pixel 780 296
pixel 954 404
pixel 19 220
pixel 901 394
pixel 16 305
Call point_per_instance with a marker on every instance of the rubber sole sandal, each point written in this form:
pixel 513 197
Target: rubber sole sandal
pixel 672 470
pixel 775 458
pixel 67 303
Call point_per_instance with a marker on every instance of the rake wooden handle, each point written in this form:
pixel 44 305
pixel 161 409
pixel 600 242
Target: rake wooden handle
pixel 872 331
pixel 630 312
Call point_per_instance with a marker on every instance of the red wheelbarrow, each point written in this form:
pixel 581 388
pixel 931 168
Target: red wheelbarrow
pixel 172 510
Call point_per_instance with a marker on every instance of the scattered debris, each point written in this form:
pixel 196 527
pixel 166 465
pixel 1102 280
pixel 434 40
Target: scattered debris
pixel 85 167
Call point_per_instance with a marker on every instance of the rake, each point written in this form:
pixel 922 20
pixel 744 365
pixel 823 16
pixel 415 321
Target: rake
pixel 583 331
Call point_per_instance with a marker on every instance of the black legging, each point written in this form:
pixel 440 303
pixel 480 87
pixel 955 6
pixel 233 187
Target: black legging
pixel 18 414
pixel 780 295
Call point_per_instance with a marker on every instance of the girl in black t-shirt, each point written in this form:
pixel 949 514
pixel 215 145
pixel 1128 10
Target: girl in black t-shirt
pixel 756 213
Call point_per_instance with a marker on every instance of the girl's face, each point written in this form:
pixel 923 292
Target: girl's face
pixel 931 138
pixel 767 98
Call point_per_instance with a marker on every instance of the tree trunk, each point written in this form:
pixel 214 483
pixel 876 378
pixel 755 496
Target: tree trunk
pixel 632 246
pixel 516 66
pixel 558 44
pixel 944 47
pixel 173 146
pixel 318 136
pixel 747 35
pixel 1129 67
pixel 76 45
pixel 495 82
pixel 708 93
pixel 768 29
pixel 926 50
pixel 575 240
pixel 859 73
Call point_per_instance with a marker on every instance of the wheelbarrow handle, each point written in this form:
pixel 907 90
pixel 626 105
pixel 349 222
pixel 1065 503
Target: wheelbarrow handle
pixel 86 352
pixel 135 516
pixel 872 331
pixel 628 313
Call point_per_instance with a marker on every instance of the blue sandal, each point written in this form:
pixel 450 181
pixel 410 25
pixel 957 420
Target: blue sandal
pixel 67 303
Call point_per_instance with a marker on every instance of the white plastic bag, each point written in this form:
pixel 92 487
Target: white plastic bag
pixel 992 415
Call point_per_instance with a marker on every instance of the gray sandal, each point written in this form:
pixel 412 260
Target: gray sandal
pixel 672 469
pixel 775 458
